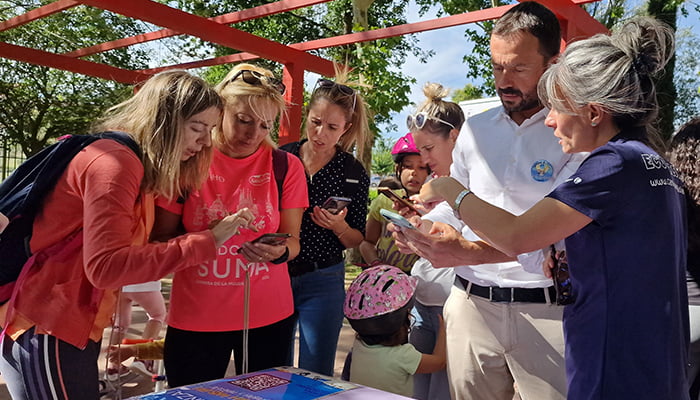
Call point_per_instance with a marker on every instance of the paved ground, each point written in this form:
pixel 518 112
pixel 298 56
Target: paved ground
pixel 135 384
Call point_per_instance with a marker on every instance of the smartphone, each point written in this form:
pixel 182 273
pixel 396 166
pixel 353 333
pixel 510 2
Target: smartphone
pixel 396 219
pixel 273 239
pixel 335 204
pixel 396 197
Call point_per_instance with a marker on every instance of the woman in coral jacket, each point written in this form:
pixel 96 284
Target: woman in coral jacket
pixel 91 237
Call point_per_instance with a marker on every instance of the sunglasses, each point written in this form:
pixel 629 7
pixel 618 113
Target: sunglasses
pixel 560 275
pixel 419 120
pixel 257 79
pixel 344 89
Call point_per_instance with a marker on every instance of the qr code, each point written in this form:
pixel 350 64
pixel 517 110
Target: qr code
pixel 260 382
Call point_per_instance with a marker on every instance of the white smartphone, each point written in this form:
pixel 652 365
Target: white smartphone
pixel 396 219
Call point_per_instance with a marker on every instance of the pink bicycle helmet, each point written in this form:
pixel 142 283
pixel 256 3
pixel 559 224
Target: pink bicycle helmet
pixel 378 300
pixel 403 147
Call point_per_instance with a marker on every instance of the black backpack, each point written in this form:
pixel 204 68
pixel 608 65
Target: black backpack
pixel 22 195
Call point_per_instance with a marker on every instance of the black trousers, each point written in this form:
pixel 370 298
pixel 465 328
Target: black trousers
pixel 192 357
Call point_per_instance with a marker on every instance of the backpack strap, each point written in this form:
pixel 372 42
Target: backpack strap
pixel 123 138
pixel 280 165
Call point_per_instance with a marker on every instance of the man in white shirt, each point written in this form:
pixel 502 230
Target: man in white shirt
pixel 502 325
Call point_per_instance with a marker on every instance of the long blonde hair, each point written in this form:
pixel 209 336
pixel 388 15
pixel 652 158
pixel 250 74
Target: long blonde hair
pixel 358 135
pixel 155 118
pixel 238 89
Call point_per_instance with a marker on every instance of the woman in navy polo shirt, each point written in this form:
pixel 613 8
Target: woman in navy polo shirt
pixel 622 214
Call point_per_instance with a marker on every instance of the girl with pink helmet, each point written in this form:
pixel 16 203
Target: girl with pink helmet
pixel 377 305
pixel 378 245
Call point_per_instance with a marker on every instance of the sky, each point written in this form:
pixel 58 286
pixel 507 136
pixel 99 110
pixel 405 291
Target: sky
pixel 446 66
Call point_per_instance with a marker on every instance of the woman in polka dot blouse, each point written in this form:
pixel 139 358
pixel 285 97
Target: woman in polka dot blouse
pixel 336 122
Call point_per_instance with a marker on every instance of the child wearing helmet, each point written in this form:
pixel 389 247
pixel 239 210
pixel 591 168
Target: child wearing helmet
pixel 377 305
pixel 378 245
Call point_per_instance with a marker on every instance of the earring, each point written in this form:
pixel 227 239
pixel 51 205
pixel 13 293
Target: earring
pixel 594 124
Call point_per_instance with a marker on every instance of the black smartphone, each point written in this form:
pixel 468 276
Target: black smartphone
pixel 335 204
pixel 560 276
pixel 396 197
pixel 273 239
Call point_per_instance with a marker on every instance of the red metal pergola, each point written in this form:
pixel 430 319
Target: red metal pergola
pixel 574 20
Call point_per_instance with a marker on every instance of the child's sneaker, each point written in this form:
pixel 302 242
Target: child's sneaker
pixel 142 367
pixel 113 374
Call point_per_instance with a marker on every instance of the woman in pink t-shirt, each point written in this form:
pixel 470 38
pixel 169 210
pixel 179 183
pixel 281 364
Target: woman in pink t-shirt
pixel 246 290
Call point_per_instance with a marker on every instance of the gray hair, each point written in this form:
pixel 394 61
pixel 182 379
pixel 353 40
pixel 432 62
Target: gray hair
pixel 613 71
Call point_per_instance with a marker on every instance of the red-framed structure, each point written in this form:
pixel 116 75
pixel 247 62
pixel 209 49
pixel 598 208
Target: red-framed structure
pixel 574 20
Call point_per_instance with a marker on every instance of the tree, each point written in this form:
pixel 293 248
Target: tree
pixel 385 91
pixel 382 162
pixel 665 11
pixel 468 92
pixel 609 13
pixel 39 103
pixel 687 77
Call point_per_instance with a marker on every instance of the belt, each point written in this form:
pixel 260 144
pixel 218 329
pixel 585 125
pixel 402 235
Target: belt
pixel 510 295
pixel 301 267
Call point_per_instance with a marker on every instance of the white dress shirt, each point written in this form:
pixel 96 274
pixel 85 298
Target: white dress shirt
pixel 512 167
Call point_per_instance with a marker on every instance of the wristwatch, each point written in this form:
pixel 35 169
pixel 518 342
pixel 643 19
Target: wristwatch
pixel 458 201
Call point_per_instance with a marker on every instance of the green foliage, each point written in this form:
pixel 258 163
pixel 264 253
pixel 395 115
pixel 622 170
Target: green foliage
pixel 386 90
pixel 382 163
pixel 39 103
pixel 687 77
pixel 468 92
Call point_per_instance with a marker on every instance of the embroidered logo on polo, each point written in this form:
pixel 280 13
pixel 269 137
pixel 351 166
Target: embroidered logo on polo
pixel 541 170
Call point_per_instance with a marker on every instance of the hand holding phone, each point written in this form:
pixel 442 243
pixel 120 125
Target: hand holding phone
pixel 335 204
pixel 273 239
pixel 396 219
pixel 397 198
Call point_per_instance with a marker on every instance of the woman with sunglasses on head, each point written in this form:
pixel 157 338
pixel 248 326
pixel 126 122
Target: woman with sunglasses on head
pixel 336 122
pixel 622 213
pixel 91 236
pixel 435 127
pixel 213 305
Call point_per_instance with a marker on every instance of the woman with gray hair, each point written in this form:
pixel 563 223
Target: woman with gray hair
pixel 622 214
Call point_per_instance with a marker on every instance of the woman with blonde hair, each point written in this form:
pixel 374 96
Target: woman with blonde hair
pixel 242 301
pixel 435 126
pixel 91 237
pixel 336 123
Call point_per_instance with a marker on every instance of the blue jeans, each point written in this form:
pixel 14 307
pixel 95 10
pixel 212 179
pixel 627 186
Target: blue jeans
pixel 422 336
pixel 318 307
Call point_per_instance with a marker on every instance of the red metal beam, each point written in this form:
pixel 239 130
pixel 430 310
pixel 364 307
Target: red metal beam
pixel 58 61
pixel 290 123
pixel 40 12
pixel 571 12
pixel 376 34
pixel 231 18
pixel 162 15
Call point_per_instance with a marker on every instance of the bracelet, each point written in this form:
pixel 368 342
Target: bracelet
pixel 283 258
pixel 458 201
